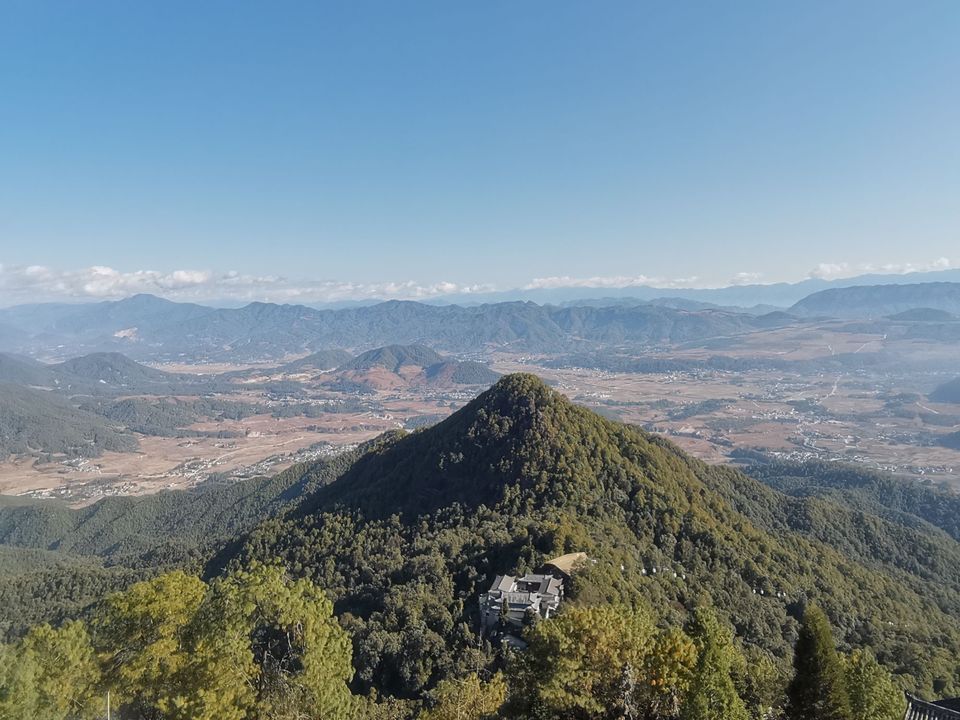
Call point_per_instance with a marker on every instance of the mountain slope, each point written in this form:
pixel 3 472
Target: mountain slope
pixel 394 367
pixel 905 501
pixel 38 421
pixel 24 371
pixel 949 392
pixel 171 523
pixel 649 324
pixel 407 538
pixel 461 373
pixel 394 357
pixel 318 361
pixel 407 532
pixel 56 561
pixel 96 374
pixel 39 586
pixel 112 369
pixel 880 300
pixel 926 315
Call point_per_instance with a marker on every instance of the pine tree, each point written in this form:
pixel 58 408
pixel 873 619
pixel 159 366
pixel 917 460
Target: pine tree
pixel 576 662
pixel 873 694
pixel 253 644
pixel 712 693
pixel 261 630
pixel 818 689
pixel 468 698
pixel 50 674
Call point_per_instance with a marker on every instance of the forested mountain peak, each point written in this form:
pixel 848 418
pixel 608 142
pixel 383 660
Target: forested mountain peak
pixel 393 357
pixel 320 360
pixel 518 439
pixel 110 367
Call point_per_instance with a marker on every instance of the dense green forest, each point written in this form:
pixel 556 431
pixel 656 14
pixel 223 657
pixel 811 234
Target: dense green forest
pixel 402 537
pixel 866 490
pixel 167 417
pixel 32 421
pixel 256 643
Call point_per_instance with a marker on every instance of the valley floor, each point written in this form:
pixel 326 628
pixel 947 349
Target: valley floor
pixel 799 393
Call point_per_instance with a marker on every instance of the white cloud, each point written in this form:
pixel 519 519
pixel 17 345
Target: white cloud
pixel 40 283
pixel 829 271
pixel 836 271
pixel 608 281
pixel 746 278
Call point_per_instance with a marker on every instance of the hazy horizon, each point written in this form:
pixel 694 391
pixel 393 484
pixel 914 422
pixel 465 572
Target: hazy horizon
pixel 42 285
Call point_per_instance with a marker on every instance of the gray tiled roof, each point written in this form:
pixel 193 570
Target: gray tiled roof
pixel 503 583
pixel 941 710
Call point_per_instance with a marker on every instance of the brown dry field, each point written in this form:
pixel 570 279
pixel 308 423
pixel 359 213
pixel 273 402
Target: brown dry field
pixel 168 463
pixel 176 463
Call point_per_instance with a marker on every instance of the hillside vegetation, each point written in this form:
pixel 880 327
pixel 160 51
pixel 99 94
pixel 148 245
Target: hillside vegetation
pixel 182 521
pixel 866 490
pixel 394 357
pixel 112 369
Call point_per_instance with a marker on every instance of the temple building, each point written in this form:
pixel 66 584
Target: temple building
pixel 512 599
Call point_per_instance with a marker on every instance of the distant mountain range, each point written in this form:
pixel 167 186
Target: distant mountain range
pixel 150 328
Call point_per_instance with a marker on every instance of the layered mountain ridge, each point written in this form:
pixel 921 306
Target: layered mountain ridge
pixel 148 327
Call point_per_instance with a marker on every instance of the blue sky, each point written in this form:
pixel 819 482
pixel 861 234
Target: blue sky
pixel 357 148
